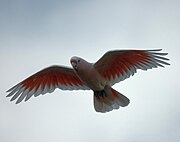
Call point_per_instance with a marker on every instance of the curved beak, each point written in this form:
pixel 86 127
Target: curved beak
pixel 74 63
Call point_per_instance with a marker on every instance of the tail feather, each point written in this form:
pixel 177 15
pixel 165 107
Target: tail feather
pixel 108 99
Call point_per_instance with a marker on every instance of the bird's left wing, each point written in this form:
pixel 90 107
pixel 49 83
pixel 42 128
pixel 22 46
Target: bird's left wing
pixel 118 65
pixel 46 81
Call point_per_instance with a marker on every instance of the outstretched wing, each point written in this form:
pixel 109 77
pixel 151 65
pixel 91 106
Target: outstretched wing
pixel 118 65
pixel 46 81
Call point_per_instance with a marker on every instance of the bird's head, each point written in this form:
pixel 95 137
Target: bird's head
pixel 79 64
pixel 75 62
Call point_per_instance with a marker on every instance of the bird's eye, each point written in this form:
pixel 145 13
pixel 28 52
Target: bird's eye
pixel 78 60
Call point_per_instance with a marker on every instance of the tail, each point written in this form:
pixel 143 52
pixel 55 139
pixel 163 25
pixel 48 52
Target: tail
pixel 108 99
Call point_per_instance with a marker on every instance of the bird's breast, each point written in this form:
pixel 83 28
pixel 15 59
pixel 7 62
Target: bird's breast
pixel 92 78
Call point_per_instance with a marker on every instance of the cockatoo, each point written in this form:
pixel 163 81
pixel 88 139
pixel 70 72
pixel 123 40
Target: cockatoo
pixel 112 67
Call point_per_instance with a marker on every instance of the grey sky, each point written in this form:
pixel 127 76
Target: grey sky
pixel 35 34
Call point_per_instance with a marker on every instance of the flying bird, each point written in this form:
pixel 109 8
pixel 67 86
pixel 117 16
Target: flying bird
pixel 112 67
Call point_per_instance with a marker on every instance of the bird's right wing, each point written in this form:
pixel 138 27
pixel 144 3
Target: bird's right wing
pixel 46 81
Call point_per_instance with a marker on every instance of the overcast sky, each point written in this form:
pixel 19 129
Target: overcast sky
pixel 35 34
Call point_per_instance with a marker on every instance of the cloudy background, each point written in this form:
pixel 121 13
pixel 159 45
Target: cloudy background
pixel 35 34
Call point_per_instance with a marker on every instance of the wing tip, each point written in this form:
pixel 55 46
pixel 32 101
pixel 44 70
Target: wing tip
pixel 157 57
pixel 7 95
pixel 154 50
pixel 17 102
pixel 9 90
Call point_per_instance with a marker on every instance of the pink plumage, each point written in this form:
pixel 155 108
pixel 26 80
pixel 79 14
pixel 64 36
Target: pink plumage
pixel 112 67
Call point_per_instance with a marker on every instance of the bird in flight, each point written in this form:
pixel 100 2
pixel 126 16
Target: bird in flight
pixel 112 67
